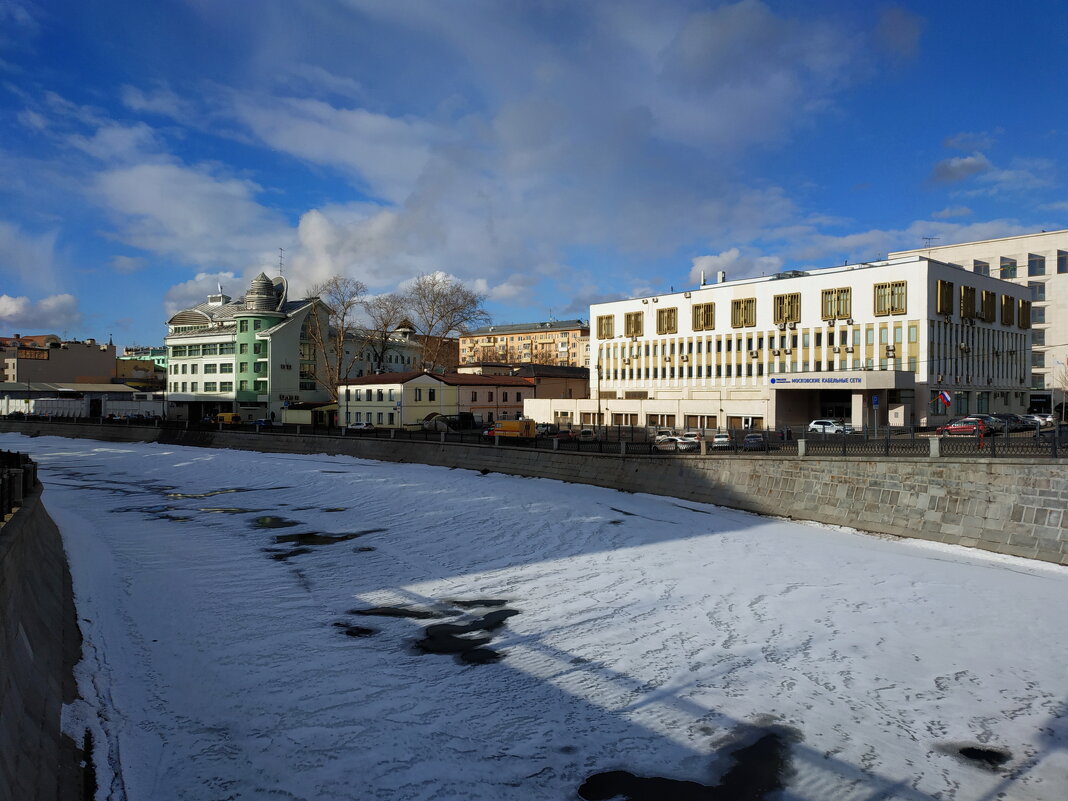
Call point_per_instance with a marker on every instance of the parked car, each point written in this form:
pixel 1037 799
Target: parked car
pixel 360 427
pixel 965 425
pixel 722 441
pixel 697 435
pixel 1059 430
pixel 993 424
pixel 587 435
pixel 828 426
pixel 676 444
pixel 1033 420
pixel 756 442
pixel 663 433
pixel 264 422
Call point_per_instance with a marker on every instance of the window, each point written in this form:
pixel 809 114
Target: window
pixel 967 302
pixel 1008 310
pixel 632 324
pixel 183 386
pixel 890 298
pixel 944 298
pixel 704 316
pixel 1008 268
pixel 226 386
pixel 193 369
pixel 209 350
pixel 243 347
pixel 1038 336
pixel 1038 314
pixel 1024 315
pixel 667 321
pixel 194 350
pixel 504 397
pixel 606 326
pixel 1036 265
pixel 242 326
pixel 379 419
pixel 210 386
pixel 836 304
pixel 1038 358
pixel 989 306
pixel 380 395
pixel 914 333
pixel 226 349
pixel 518 397
pixel 489 396
pixel 1038 289
pixel 256 325
pixel 257 348
pixel 418 394
pixel 431 394
pixel 259 367
pixel 787 308
pixel 1062 261
pixel 226 368
pixel 743 312
pixel 980 267
pixel 242 386
pixel 193 386
pixel 178 351
pixel 210 368
pixel 474 396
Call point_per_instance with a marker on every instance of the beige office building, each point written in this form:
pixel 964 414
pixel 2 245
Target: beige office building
pixel 1038 262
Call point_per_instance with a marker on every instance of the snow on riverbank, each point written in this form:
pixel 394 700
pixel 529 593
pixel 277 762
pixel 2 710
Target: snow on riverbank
pixel 224 597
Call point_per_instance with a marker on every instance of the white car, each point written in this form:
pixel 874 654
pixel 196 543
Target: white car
pixel 722 441
pixel 676 444
pixel 359 427
pixel 828 426
pixel 662 434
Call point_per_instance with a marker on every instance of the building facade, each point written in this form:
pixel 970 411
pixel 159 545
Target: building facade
pixel 1038 262
pixel 48 359
pixel 873 344
pixel 558 342
pixel 256 355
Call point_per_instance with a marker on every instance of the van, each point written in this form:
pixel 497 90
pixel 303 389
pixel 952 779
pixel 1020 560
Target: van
pixel 229 418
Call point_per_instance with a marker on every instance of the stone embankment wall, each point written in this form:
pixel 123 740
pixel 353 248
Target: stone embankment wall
pixel 1011 506
pixel 39 644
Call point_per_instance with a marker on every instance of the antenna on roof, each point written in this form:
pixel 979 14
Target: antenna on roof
pixel 927 240
pixel 281 260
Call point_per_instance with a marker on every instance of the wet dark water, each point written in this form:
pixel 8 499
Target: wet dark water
pixel 448 638
pixel 314 538
pixel 758 770
pixel 398 611
pixel 992 758
pixel 273 521
pixel 351 630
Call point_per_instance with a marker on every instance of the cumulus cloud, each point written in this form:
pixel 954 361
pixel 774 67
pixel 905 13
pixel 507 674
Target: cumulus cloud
pixel 31 257
pixel 52 313
pixel 735 263
pixel 117 143
pixel 970 142
pixel 959 168
pixel 127 264
pixel 159 100
pixel 196 290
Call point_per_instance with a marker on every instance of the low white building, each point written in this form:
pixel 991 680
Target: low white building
pixel 873 344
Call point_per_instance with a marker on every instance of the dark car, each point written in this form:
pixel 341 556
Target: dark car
pixel 1058 431
pixel 757 442
pixel 966 425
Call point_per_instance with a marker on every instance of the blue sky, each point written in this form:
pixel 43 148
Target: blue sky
pixel 549 154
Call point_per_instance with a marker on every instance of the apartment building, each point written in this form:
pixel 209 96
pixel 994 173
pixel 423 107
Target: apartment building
pixel 557 342
pixel 256 355
pixel 872 343
pixel 48 359
pixel 1038 262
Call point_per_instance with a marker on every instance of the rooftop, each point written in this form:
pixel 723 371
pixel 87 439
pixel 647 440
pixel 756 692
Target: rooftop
pixel 523 328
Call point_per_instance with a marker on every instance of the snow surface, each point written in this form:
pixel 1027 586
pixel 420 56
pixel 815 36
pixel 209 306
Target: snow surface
pixel 652 636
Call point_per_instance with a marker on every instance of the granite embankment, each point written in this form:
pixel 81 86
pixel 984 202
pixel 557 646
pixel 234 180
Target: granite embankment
pixel 1007 505
pixel 39 645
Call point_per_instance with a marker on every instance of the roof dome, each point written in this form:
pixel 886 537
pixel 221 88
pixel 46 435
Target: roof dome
pixel 261 294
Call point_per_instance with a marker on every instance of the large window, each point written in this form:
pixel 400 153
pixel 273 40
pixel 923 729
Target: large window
pixel 890 298
pixel 606 326
pixel 1008 268
pixel 667 321
pixel 1023 316
pixel 1008 310
pixel 1062 261
pixel 1036 265
pixel 743 312
pixel 944 298
pixel 1038 289
pixel 990 306
pixel 836 304
pixel 632 324
pixel 967 302
pixel 704 316
pixel 980 267
pixel 787 308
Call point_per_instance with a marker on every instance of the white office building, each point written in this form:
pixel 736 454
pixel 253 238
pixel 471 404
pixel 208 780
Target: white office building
pixel 873 344
pixel 1038 262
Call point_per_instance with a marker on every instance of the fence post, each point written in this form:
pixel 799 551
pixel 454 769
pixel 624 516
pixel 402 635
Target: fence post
pixel 936 447
pixel 622 447
pixel 801 447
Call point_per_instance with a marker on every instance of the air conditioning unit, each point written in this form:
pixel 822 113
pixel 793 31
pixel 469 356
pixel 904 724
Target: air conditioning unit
pixel 684 358
pixel 686 294
pixel 787 351
pixel 941 378
pixel 645 300
pixel 626 361
pixel 791 326
pixel 667 358
pixel 753 354
pixel 989 381
pixel 849 348
pixel 782 326
pixel 836 349
pixel 849 321
pixel 775 352
pixel 891 352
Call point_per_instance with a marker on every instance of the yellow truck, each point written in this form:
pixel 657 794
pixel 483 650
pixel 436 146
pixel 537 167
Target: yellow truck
pixel 513 429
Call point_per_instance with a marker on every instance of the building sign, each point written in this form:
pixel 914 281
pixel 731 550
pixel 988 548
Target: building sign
pixel 32 353
pixel 824 381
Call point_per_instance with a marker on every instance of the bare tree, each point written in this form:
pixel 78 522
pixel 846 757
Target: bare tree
pixel 384 315
pixel 441 307
pixel 331 324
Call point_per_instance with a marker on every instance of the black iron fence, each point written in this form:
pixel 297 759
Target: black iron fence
pixel 18 476
pixel 887 442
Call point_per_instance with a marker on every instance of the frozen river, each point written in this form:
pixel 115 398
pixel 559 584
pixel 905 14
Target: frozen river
pixel 268 626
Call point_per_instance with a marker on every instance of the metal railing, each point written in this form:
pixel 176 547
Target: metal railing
pixel 18 476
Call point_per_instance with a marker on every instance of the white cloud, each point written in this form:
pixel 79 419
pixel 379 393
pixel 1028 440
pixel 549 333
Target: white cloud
pixel 959 168
pixel 969 141
pixel 30 257
pixel 950 212
pixel 127 264
pixel 159 100
pixel 735 263
pixel 196 290
pixel 54 313
pixel 118 143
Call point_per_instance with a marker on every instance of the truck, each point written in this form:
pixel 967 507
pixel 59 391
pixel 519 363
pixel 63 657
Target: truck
pixel 513 429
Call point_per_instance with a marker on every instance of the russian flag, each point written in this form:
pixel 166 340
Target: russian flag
pixel 945 397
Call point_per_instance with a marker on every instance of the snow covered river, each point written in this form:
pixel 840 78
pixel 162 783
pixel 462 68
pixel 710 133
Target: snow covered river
pixel 269 626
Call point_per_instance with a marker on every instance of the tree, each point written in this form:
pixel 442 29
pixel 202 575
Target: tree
pixel 440 307
pixel 384 315
pixel 331 324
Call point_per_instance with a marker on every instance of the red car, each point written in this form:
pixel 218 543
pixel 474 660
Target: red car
pixel 966 425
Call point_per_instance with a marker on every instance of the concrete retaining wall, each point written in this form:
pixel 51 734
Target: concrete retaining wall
pixel 39 645
pixel 1011 506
